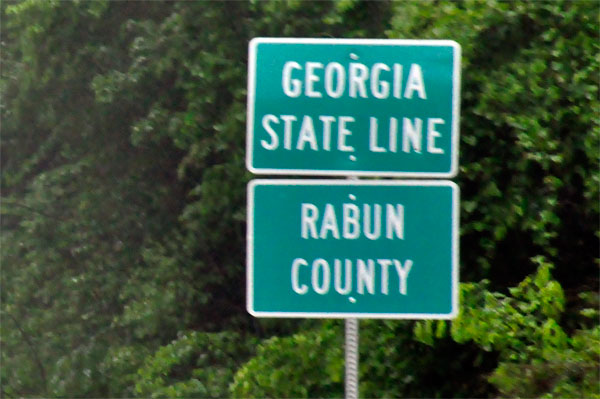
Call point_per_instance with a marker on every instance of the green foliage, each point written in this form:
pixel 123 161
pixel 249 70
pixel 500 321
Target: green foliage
pixel 78 200
pixel 516 325
pixel 392 364
pixel 570 372
pixel 306 365
pixel 120 365
pixel 123 204
pixel 194 365
pixel 537 357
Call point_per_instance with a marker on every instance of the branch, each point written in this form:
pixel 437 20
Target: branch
pixel 33 352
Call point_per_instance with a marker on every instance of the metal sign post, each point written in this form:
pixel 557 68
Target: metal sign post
pixel 351 353
pixel 351 357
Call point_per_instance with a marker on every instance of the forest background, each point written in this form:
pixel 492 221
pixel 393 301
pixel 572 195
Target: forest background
pixel 123 204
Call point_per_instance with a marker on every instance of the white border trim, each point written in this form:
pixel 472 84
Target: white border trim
pixel 251 92
pixel 319 182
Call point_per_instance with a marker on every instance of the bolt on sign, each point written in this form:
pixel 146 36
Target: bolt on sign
pixel 352 249
pixel 355 107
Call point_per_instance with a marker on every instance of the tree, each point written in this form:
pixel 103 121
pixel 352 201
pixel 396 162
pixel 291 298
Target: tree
pixel 79 201
pixel 529 183
pixel 123 204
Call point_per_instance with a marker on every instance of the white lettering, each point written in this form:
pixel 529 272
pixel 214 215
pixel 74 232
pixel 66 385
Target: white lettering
pixel 307 134
pixel 365 273
pixel 403 274
pixel 274 138
pixel 291 87
pixel 351 229
pixel 300 289
pixel 394 221
pixel 393 134
pixel 287 130
pixel 411 134
pixel 358 75
pixel 373 147
pixel 320 264
pixel 415 82
pixel 397 80
pixel 337 69
pixel 383 80
pixel 365 276
pixel 338 276
pixel 343 132
pixel 329 223
pixel 326 131
pixel 372 232
pixel 385 264
pixel 366 219
pixel 379 89
pixel 309 214
pixel 432 134
pixel 311 79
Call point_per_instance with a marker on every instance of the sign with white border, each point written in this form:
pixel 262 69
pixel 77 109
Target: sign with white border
pixel 383 249
pixel 353 107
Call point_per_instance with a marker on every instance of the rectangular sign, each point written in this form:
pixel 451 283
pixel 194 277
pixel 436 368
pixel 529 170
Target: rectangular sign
pixel 352 249
pixel 353 107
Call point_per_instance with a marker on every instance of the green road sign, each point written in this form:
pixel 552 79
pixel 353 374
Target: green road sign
pixel 352 249
pixel 353 107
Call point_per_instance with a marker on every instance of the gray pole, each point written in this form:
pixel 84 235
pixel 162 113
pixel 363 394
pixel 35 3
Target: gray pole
pixel 351 349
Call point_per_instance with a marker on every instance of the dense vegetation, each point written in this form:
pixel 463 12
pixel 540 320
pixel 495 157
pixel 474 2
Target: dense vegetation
pixel 123 205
